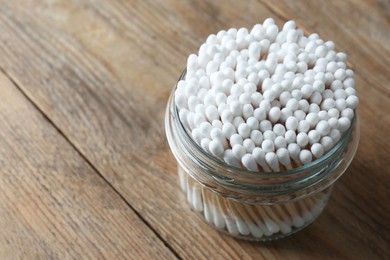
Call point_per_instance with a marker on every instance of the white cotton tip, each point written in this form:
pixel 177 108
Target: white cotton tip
pixel 274 114
pixel 265 125
pixel 299 115
pixel 304 105
pixel 269 135
pixel 294 150
pixel 220 98
pixel 247 111
pixel 245 98
pixel 197 135
pixel 333 122
pixel 197 198
pixel 228 130
pixel 248 145
pixel 314 136
pixel 327 143
pixel 221 108
pixel 334 113
pixel 256 98
pixel 242 227
pixel 341 104
pixel 323 115
pixel 199 119
pixel 307 216
pixel 216 134
pixel 259 155
pixel 205 144
pixel 236 139
pixel 271 31
pixel 314 108
pixel 236 108
pixel 348 113
pixel 231 226
pixel 340 74
pixel 257 137
pixel 344 124
pixel 237 121
pixel 249 162
pixel 305 156
pixel 290 136
pixel 317 150
pixel 265 105
pixel 229 158
pixel 307 91
pixel 260 114
pixel 323 127
pixel 254 50
pixel 253 123
pixel 328 104
pixel 303 126
pixel 272 160
pixel 297 95
pixel 298 221
pixel 269 95
pixel 268 146
pixel 352 101
pixel 302 140
pixel 190 120
pixel 212 113
pixel 183 113
pixel 340 93
pixel 244 130
pixel 193 101
pixel 208 215
pixel 292 104
pixel 312 119
pixel 284 157
pixel 280 142
pixel 316 98
pixel 205 129
pixel 200 109
pixel 279 130
pixel 181 100
pixel 238 151
pixel 255 230
pixel 216 148
pixel 219 220
pixel 335 135
pixel 285 113
pixel 291 123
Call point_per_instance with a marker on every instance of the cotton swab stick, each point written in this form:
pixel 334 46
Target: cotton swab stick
pixel 268 222
pixel 254 230
pixel 229 219
pixel 208 215
pixel 182 178
pixel 284 227
pixel 242 227
pixel 189 190
pixel 305 212
pixel 197 197
pixel 219 221
pixel 297 220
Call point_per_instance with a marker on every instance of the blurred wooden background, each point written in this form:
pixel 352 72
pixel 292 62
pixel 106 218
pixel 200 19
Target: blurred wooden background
pixel 85 169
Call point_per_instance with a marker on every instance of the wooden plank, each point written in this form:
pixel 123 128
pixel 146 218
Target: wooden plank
pixel 102 73
pixel 52 203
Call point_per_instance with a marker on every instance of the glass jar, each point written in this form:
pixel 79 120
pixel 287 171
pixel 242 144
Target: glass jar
pixel 255 205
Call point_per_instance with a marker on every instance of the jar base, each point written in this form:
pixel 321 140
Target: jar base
pixel 252 222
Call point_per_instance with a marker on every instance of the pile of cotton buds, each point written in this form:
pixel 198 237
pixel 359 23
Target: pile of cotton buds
pixel 266 100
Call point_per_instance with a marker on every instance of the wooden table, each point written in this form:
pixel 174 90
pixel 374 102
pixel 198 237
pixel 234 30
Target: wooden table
pixel 85 168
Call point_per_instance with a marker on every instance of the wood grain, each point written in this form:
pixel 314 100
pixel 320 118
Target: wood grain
pixel 102 71
pixel 53 205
